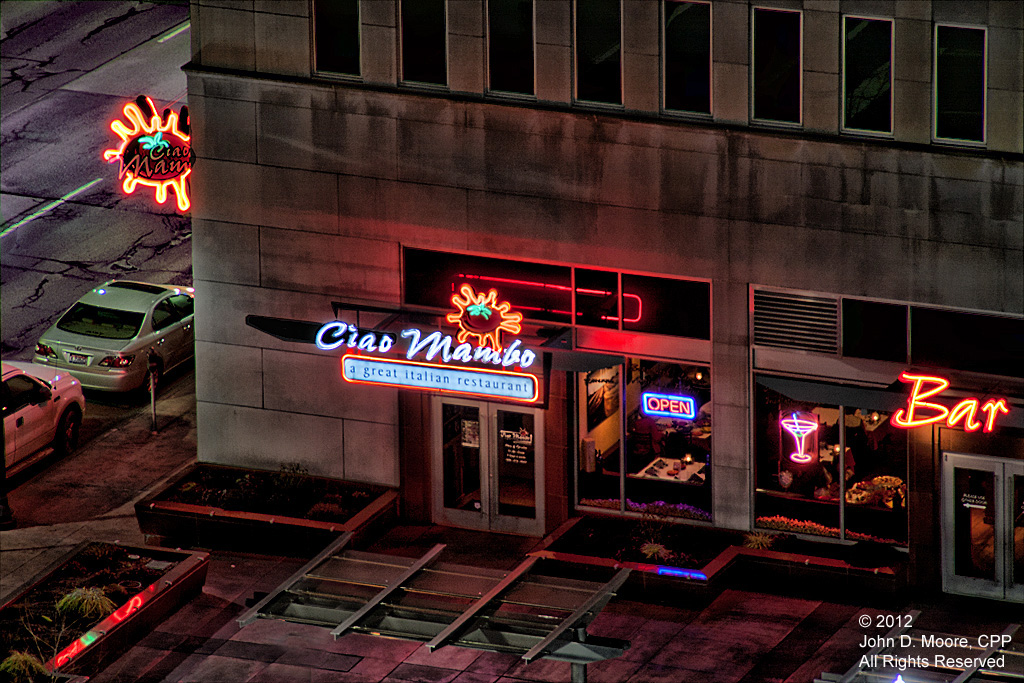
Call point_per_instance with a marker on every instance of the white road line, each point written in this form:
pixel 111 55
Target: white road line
pixel 54 203
pixel 180 29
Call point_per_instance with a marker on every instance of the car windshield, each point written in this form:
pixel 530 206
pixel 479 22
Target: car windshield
pixel 106 323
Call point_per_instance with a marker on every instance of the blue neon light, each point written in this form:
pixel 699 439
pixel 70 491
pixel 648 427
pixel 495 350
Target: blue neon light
pixel 667 405
pixel 685 573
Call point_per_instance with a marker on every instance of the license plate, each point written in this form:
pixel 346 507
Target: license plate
pixel 78 358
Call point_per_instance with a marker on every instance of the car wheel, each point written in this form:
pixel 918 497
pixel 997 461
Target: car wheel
pixel 66 440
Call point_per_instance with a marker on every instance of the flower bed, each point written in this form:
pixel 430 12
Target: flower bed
pixel 94 602
pixel 214 506
pixel 796 526
pixel 681 510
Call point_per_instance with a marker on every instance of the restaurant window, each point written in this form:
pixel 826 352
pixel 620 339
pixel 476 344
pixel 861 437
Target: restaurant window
pixel 510 46
pixel 687 53
pixel 665 465
pixel 597 298
pixel 959 83
pixel 867 74
pixel 777 66
pixel 827 469
pixel 424 42
pixel 336 36
pixel 599 51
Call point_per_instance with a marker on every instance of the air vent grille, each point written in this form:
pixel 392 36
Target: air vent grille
pixel 796 321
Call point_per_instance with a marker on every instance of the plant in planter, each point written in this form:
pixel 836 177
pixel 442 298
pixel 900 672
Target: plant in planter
pixel 70 617
pixel 288 511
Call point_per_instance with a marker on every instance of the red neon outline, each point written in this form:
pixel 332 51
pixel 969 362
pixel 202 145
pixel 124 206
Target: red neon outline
pixel 134 115
pixel 470 297
pixel 436 366
pixel 563 288
pixel 84 641
pixel 965 410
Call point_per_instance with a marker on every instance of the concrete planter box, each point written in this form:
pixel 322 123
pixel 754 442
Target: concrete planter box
pixel 736 566
pixel 137 616
pixel 177 524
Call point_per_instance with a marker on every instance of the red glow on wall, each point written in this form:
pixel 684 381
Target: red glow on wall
pixel 920 412
pixel 564 288
pixel 155 150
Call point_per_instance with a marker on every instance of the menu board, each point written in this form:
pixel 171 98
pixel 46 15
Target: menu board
pixel 515 447
pixel 471 433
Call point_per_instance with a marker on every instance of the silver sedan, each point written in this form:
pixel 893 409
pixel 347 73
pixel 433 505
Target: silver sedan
pixel 107 337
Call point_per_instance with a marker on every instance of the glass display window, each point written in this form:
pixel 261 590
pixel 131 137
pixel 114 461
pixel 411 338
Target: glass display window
pixel 664 467
pixel 828 469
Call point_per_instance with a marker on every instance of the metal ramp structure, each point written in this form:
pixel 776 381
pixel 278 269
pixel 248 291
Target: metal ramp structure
pixel 519 612
pixel 909 655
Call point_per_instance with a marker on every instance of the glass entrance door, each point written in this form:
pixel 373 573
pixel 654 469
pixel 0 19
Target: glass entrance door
pixel 983 526
pixel 488 466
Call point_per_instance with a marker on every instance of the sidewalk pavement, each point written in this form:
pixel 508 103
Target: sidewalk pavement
pixel 736 636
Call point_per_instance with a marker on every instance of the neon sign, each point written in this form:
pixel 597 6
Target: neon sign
pixel 155 150
pixel 514 386
pixel 89 637
pixel 665 405
pixel 800 426
pixel 481 316
pixel 626 296
pixel 966 411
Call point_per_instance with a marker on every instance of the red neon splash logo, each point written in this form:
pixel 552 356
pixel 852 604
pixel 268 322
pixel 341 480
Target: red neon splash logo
pixel 920 412
pixel 481 316
pixel 155 151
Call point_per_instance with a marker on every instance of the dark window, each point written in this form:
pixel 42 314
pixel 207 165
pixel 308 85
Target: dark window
pixel 184 305
pixel 106 323
pixel 538 291
pixel 663 306
pixel 777 65
pixel 19 392
pixel 598 51
pixel 336 29
pixel 165 314
pixel 960 83
pixel 688 56
pixel 867 75
pixel 597 298
pixel 874 330
pixel 424 42
pixel 510 45
pixel 967 341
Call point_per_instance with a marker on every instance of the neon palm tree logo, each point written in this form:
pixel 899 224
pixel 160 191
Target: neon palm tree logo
pixel 800 425
pixel 481 316
pixel 154 141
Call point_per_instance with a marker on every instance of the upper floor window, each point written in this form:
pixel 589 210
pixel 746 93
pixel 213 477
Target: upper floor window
pixel 959 83
pixel 510 46
pixel 687 32
pixel 424 42
pixel 777 67
pixel 599 51
pixel 336 36
pixel 867 74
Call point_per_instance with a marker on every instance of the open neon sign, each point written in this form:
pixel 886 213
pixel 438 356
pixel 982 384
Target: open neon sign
pixel 920 412
pixel 155 150
pixel 666 405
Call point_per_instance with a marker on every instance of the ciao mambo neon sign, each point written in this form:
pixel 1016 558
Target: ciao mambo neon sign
pixel 429 356
pixel 155 150
pixel 920 412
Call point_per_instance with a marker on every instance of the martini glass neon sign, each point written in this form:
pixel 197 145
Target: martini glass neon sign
pixel 800 425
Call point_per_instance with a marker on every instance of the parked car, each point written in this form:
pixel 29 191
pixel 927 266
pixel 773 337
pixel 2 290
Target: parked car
pixel 41 407
pixel 105 339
